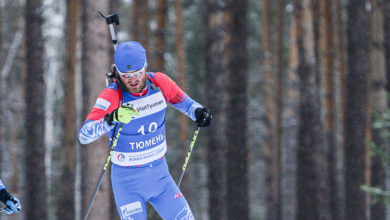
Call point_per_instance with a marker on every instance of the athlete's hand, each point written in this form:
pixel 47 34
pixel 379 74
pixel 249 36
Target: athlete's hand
pixel 203 117
pixel 123 114
pixel 12 203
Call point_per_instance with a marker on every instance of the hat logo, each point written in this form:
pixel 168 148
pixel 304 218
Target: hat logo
pixel 128 66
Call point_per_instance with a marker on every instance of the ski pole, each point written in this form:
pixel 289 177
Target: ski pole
pixel 188 154
pixel 110 19
pixel 115 141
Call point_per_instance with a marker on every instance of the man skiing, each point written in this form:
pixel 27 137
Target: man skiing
pixel 12 203
pixel 138 101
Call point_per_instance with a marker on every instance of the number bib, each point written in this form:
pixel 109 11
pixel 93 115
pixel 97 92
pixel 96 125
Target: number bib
pixel 143 139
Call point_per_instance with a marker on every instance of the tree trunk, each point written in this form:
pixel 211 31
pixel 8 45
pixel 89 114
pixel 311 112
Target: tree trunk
pixel 328 72
pixel 272 41
pixel 161 17
pixel 215 66
pixel 341 65
pixel 1 36
pixel 180 63
pixel 290 127
pixel 12 108
pixel 312 192
pixel 114 6
pixel 67 186
pixel 386 13
pixel 355 111
pixel 140 24
pixel 35 200
pixel 378 104
pixel 237 155
pixel 272 203
pixel 95 59
pixel 341 58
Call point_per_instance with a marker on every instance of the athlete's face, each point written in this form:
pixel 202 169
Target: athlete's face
pixel 135 84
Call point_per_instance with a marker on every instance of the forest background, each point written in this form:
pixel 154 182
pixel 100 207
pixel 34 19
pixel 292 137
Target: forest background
pixel 298 91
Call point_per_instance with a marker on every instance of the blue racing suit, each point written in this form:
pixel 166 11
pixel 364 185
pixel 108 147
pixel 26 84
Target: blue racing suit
pixel 139 171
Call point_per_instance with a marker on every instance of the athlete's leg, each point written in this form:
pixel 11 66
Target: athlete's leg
pixel 129 200
pixel 132 209
pixel 171 204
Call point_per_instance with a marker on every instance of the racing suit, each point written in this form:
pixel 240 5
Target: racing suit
pixel 139 171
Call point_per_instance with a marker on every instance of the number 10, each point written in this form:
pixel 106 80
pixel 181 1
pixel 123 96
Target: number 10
pixel 152 128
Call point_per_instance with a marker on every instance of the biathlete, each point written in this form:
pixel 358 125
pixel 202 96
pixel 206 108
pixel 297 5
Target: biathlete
pixel 138 100
pixel 12 204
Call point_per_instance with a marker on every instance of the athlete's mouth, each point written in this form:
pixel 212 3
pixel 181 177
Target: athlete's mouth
pixel 134 84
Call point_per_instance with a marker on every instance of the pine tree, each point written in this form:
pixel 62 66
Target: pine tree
pixel 140 19
pixel 290 118
pixel 377 100
pixel 237 148
pixel 95 63
pixel 272 41
pixel 356 112
pixel 215 40
pixel 35 202
pixel 161 19
pixel 312 191
pixel 67 189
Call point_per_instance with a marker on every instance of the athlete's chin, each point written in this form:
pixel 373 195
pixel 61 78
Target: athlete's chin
pixel 133 87
pixel 134 90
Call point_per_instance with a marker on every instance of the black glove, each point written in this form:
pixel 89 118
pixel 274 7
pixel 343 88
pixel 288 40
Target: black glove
pixel 203 117
pixel 12 204
pixel 5 196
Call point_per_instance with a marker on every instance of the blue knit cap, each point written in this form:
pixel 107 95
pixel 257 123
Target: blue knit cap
pixel 130 56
